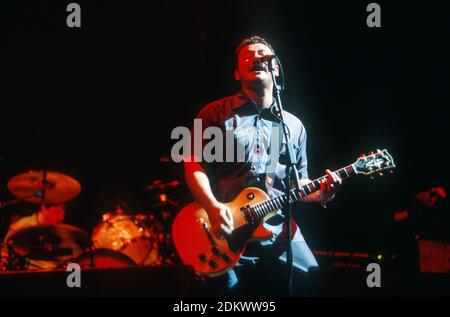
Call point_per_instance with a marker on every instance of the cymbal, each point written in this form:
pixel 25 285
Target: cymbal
pixel 44 187
pixel 50 242
pixel 159 184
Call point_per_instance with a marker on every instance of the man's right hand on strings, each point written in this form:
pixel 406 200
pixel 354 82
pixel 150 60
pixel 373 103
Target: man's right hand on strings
pixel 221 219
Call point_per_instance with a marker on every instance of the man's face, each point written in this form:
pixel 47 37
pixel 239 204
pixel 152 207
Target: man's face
pixel 54 214
pixel 248 70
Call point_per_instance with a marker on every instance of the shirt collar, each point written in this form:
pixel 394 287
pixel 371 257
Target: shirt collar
pixel 241 99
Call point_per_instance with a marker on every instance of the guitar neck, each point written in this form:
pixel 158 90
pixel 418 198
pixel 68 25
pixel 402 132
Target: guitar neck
pixel 305 190
pixel 260 210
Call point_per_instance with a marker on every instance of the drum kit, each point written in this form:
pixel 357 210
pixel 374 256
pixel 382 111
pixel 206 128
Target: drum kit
pixel 121 239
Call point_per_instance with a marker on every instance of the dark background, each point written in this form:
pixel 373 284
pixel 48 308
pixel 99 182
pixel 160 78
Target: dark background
pixel 99 103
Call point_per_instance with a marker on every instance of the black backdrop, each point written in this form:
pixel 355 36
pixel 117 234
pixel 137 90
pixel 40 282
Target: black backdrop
pixel 99 103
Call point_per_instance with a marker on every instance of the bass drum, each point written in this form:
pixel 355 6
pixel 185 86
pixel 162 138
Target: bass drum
pixel 133 235
pixel 104 259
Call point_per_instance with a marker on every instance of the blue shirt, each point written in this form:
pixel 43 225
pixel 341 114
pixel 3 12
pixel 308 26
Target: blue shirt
pixel 251 130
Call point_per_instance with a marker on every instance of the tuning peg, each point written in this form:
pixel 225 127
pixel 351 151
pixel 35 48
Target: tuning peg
pixel 381 174
pixel 391 172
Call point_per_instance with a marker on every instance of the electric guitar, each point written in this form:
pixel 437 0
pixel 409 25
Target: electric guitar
pixel 198 246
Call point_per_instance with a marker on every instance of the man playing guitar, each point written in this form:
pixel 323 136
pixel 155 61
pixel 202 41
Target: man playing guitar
pixel 249 115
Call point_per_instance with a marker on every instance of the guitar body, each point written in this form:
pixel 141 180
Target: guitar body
pixel 198 246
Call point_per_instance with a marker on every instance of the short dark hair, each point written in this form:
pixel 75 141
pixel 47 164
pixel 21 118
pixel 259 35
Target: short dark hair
pixel 255 39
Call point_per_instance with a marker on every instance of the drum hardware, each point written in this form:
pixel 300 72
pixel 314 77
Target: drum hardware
pixel 165 207
pixel 159 184
pixel 10 260
pixel 102 258
pixel 132 235
pixel 143 237
pixel 120 240
pixel 48 243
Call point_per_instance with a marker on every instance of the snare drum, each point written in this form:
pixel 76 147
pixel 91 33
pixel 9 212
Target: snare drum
pixel 132 235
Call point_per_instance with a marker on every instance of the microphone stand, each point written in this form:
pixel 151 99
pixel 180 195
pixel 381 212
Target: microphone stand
pixel 291 168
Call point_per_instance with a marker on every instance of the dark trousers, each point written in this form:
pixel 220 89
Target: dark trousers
pixel 267 278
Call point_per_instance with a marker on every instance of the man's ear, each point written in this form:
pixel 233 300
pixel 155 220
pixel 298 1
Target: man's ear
pixel 236 75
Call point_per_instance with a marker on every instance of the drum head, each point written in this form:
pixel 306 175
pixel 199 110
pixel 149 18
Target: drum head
pixel 134 236
pixel 104 258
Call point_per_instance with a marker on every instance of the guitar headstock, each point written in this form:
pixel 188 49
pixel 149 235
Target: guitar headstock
pixel 374 163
